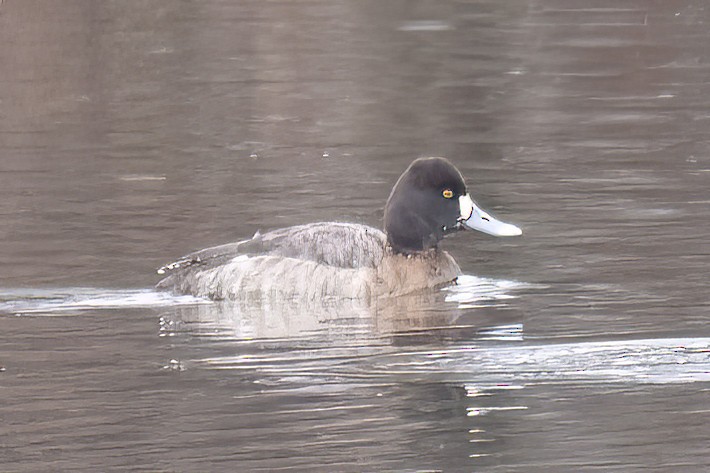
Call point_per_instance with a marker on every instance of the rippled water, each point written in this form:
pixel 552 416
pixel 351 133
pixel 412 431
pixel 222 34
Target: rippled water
pixel 134 132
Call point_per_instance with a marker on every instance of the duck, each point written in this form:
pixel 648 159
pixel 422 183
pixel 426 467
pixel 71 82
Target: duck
pixel 338 260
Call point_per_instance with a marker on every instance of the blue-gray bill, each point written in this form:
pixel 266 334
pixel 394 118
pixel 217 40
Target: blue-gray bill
pixel 479 219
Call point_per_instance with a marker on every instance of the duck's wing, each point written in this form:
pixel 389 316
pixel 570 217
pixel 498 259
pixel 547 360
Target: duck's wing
pixel 207 258
pixel 340 245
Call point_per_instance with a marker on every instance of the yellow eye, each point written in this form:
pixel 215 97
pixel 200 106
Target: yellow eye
pixel 447 193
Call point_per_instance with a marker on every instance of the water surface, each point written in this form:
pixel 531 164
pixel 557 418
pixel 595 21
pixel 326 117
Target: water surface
pixel 134 132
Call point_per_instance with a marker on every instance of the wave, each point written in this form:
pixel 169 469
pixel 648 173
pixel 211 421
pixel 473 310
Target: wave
pixel 62 301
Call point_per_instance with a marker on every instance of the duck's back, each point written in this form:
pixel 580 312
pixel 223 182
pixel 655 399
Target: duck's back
pixel 341 245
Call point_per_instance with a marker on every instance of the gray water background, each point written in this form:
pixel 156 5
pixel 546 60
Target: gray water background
pixel 134 132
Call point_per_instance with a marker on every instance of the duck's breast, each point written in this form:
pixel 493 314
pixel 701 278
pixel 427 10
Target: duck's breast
pixel 400 274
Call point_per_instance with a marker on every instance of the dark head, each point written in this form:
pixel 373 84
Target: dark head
pixel 430 200
pixel 424 205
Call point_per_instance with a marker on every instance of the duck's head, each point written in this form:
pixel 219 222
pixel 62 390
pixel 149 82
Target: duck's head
pixel 430 200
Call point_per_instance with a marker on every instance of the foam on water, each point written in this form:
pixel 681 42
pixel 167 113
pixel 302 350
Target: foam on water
pixel 473 291
pixel 62 301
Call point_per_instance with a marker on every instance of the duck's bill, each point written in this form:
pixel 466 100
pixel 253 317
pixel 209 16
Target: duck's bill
pixel 479 219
